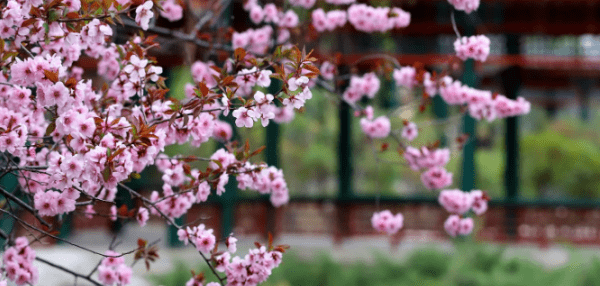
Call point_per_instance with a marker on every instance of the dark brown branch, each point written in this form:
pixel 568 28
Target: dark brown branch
pixel 92 18
pixel 64 240
pixel 24 205
pixel 165 32
pixel 68 271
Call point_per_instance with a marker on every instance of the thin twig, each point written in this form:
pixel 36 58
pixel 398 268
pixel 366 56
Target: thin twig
pixel 68 271
pixel 64 240
pixel 454 25
pixel 24 205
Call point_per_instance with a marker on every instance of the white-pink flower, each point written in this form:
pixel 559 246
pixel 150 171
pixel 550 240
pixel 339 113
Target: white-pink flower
pixel 385 221
pixel 436 178
pixel 142 216
pixel 144 14
pixel 456 201
pixel 410 131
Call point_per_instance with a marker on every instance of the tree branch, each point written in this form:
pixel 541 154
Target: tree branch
pixel 68 271
pixel 178 35
pixel 24 205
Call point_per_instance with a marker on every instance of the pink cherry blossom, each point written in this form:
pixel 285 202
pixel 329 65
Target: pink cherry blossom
pixel 230 242
pixel 144 14
pixel 436 178
pixel 203 192
pixel 18 263
pixel 410 131
pixel 452 225
pixel 142 216
pixel 474 47
pixel 480 202
pixel 456 201
pixel 171 10
pixel 465 5
pixel 405 76
pixel 465 226
pixel 378 128
pixel 385 221
pixel 244 117
pixel 257 14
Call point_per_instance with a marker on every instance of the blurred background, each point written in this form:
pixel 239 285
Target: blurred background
pixel 542 170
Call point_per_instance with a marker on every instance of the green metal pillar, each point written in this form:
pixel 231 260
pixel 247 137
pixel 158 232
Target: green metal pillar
pixel 468 164
pixel 172 237
pixel 272 157
pixel 228 199
pixel 511 81
pixel 440 110
pixel 9 183
pixel 272 133
pixel 469 79
pixel 344 164
pixel 584 85
pixel 345 151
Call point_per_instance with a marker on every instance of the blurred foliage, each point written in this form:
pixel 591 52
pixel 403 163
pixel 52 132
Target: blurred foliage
pixel 468 265
pixel 558 164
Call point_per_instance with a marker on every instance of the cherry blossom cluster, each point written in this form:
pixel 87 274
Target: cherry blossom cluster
pixel 474 47
pixel 436 177
pixel 455 225
pixel 267 181
pixel 271 14
pixel 299 86
pixel 367 85
pixel 409 131
pixel 465 5
pixel 256 41
pixel 173 204
pixel 327 70
pixel 323 21
pixel 200 236
pixel 171 10
pixel 387 222
pixel 253 269
pixel 377 128
pixel 481 104
pixel 407 77
pixel 458 203
pixel 18 263
pixel 51 203
pixel 113 270
pixel 13 129
pixel 377 19
pixel 426 158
